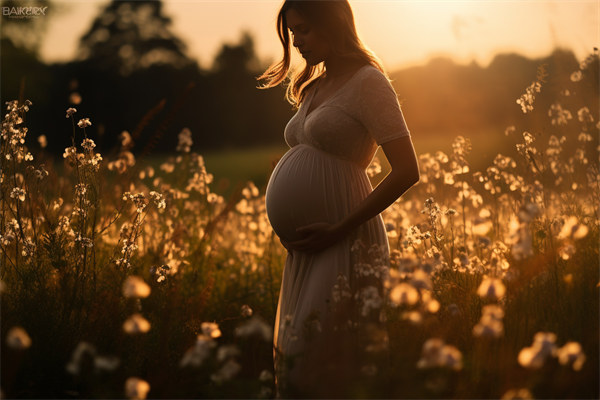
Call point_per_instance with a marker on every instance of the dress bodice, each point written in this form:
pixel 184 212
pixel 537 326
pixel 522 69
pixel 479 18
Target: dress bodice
pixel 362 114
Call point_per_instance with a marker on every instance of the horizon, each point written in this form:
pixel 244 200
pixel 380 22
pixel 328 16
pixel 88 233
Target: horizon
pixel 464 31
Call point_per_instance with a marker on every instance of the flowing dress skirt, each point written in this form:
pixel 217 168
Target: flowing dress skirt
pixel 326 295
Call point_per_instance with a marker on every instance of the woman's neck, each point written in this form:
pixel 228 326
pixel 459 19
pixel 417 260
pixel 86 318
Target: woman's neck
pixel 338 67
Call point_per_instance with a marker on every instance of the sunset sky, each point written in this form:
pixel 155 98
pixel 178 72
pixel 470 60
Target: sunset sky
pixel 401 32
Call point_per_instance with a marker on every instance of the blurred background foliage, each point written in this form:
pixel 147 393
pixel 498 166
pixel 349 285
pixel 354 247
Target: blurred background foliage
pixel 133 73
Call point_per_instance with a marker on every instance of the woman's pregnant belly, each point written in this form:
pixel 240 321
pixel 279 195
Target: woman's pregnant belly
pixel 308 186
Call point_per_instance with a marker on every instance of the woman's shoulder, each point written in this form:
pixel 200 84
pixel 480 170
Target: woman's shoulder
pixel 372 73
pixel 371 81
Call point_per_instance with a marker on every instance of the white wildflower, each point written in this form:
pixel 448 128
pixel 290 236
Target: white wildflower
pixel 136 388
pixel 195 356
pixel 246 311
pixel 227 371
pixel 255 326
pixel 134 286
pixel 436 353
pixel 404 293
pixel 543 347
pixel 136 324
pixel 211 329
pixel 572 355
pixel 84 122
pixel 17 338
pixel 491 288
pixel 43 141
pixel 71 111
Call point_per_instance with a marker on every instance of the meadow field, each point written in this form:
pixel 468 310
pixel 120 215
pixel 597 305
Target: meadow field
pixel 159 277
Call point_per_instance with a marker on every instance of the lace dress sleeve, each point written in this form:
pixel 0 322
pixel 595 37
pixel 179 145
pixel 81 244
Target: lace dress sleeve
pixel 379 109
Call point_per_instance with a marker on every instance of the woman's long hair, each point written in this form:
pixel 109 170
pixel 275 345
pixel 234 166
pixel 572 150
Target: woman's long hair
pixel 334 20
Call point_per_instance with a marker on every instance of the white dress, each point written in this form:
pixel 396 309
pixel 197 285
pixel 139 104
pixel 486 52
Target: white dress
pixel 322 178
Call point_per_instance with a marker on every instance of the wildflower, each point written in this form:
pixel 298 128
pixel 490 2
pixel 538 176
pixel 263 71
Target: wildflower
pixel 211 329
pixel 576 76
pixel 126 140
pixel 250 190
pixel 517 394
pixel 71 111
pixel 432 305
pixel 74 365
pixel 136 388
pixel 255 326
pixel 214 198
pixel 420 279
pixel 195 356
pixel 18 193
pixel 88 144
pixel 17 338
pixel 584 115
pixel 246 311
pixel 167 167
pixel 436 353
pixel 75 98
pixel 572 355
pixel 158 199
pixel 136 324
pixel 558 115
pixel 81 189
pixel 572 229
pixel 520 237
pixel 41 173
pixel 341 289
pixel 404 293
pixel 227 371
pixel 481 226
pixel 441 157
pixel 490 323
pixel 510 130
pixel 227 351
pixel 43 141
pixel 106 363
pixel 566 252
pixel 95 161
pixel 491 288
pixel 414 317
pixel 265 376
pixel 535 356
pixel 84 122
pixel 185 141
pixel 370 300
pixel 147 172
pixel 134 286
pixel 526 100
pixel 84 241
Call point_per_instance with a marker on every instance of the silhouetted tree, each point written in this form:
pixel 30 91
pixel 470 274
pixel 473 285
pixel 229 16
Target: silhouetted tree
pixel 26 33
pixel 131 35
pixel 237 59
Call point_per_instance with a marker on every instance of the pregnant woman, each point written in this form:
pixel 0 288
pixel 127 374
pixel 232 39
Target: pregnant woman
pixel 320 201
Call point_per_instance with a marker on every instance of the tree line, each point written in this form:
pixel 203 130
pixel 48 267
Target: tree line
pixel 132 73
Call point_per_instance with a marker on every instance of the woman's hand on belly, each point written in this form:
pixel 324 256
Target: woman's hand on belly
pixel 318 236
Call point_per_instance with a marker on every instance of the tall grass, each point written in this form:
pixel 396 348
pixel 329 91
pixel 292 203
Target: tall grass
pixel 128 280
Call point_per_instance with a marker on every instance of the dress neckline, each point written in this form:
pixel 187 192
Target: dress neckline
pixel 335 93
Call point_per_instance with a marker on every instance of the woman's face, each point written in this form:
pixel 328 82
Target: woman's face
pixel 313 47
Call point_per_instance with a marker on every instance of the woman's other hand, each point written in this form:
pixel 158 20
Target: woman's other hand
pixel 318 236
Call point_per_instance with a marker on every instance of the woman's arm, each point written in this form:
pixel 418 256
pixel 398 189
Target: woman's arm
pixel 404 174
